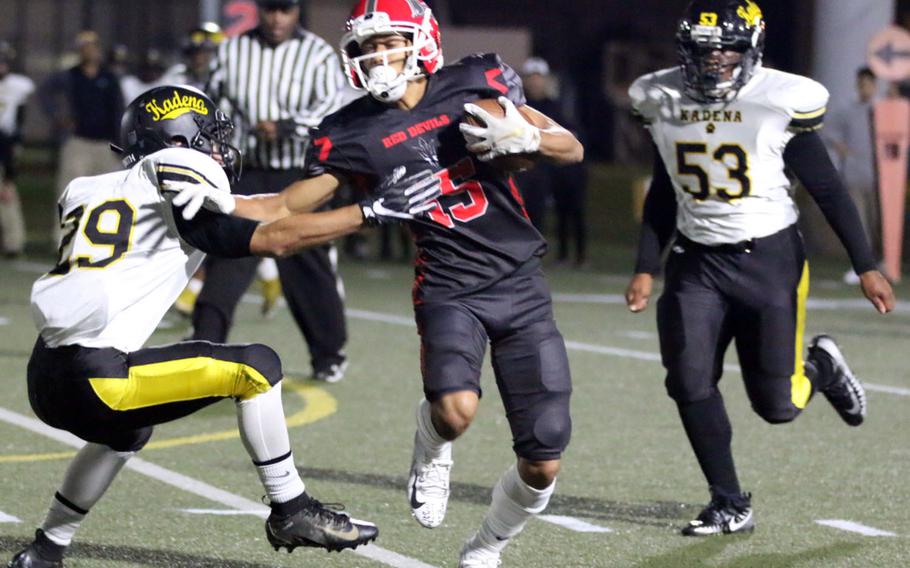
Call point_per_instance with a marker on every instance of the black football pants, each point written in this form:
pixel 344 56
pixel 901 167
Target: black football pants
pixel 751 294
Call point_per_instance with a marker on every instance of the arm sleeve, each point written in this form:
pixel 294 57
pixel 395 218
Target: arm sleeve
pixel 807 158
pixel 658 220
pixel 216 234
pixel 326 95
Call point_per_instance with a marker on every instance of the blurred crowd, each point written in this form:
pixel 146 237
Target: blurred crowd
pixel 83 102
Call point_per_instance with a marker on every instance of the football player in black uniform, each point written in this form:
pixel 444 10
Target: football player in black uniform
pixel 478 274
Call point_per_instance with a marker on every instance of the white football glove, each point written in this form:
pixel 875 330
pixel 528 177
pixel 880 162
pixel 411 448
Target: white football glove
pixel 511 134
pixel 194 196
pixel 404 200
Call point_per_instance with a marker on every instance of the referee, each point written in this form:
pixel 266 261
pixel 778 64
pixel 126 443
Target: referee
pixel 279 80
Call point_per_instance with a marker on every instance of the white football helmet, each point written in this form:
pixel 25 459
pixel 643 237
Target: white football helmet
pixel 411 19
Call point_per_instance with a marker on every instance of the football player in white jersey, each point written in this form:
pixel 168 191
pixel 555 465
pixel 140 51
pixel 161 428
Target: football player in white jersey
pixel 131 240
pixel 724 129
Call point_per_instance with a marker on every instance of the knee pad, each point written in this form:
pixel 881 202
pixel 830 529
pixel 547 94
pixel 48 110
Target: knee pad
pixel 131 441
pixel 686 389
pixel 780 414
pixel 265 360
pixel 543 432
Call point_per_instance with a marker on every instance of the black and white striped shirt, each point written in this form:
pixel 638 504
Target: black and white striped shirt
pixel 295 84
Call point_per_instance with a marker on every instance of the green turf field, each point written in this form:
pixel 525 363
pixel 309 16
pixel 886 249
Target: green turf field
pixel 628 469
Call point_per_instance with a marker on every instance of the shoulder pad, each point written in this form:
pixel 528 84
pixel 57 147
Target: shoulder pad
pixel 480 59
pixel 183 164
pixel 648 92
pixel 803 99
pixel 488 75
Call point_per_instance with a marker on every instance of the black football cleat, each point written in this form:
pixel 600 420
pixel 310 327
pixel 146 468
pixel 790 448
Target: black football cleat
pixel 318 526
pixel 723 515
pixel 41 553
pixel 844 391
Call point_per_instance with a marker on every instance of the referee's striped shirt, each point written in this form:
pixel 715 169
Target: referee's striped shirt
pixel 295 84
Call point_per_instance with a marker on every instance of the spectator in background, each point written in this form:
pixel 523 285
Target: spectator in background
pixel 84 104
pixel 565 185
pixel 849 133
pixel 14 91
pixel 149 74
pixel 118 60
pixel 300 78
pixel 199 49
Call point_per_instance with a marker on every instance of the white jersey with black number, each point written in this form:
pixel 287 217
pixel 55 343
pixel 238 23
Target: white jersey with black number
pixel 122 262
pixel 726 159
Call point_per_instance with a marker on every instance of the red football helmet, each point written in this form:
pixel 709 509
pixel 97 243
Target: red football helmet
pixel 410 18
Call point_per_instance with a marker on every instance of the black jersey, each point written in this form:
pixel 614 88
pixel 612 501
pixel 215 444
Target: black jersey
pixel 479 231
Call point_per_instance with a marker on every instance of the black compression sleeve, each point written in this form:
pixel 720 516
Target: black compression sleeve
pixel 807 157
pixel 216 234
pixel 658 219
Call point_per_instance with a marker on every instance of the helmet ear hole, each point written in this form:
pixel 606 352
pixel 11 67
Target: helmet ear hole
pixel 180 141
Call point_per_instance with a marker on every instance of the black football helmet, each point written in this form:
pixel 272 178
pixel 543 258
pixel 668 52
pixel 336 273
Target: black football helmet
pixel 178 115
pixel 712 26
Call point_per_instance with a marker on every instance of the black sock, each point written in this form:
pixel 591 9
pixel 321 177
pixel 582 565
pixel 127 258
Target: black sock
pixel 289 508
pixel 48 549
pixel 711 436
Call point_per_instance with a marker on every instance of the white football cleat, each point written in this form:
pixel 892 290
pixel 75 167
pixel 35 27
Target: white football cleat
pixel 473 556
pixel 428 485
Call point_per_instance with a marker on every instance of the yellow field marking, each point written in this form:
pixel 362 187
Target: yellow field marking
pixel 318 404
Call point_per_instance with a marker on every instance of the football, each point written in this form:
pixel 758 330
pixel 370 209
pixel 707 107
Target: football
pixel 510 163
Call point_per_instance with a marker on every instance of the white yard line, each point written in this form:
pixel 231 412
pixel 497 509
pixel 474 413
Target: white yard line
pixel 594 348
pixel 850 526
pixel 885 388
pixel 4 518
pixel 219 512
pixel 198 487
pixel 574 524
pixel 821 304
pixel 4 321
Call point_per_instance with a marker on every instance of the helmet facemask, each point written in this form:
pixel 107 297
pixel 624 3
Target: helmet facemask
pixel 717 61
pixel 214 139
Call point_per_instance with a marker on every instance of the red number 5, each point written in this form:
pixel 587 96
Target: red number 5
pixel 463 212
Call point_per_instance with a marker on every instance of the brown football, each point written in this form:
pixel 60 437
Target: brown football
pixel 513 162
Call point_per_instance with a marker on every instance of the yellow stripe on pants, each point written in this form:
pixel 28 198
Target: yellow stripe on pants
pixel 800 387
pixel 180 380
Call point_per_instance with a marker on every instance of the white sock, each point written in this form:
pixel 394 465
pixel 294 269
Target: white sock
pixel 268 269
pixel 265 437
pixel 435 446
pixel 89 475
pixel 513 503
pixel 280 479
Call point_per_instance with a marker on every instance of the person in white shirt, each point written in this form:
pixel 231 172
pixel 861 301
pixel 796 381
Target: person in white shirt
pixel 15 90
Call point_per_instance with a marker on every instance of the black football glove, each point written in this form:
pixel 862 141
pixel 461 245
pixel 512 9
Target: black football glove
pixel 402 198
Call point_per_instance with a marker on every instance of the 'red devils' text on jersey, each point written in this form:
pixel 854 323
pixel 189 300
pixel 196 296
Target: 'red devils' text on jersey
pixel 479 231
